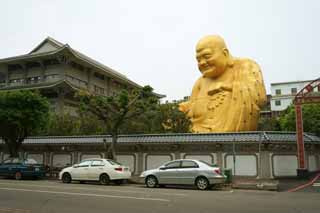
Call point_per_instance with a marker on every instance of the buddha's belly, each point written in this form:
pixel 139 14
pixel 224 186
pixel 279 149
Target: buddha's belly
pixel 211 110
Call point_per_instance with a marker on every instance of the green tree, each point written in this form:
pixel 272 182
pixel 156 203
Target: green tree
pixel 22 113
pixel 166 118
pixel 269 124
pixel 66 124
pixel 311 118
pixel 116 110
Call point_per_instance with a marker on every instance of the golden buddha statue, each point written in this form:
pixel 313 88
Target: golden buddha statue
pixel 229 94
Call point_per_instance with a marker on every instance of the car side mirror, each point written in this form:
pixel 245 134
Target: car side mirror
pixel 75 166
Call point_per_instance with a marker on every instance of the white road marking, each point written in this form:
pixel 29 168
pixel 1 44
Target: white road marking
pixel 94 189
pixel 85 194
pixel 15 210
pixel 316 184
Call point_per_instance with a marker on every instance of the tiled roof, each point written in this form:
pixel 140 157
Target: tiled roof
pixel 242 137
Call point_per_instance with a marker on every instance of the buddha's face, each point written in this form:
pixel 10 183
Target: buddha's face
pixel 212 59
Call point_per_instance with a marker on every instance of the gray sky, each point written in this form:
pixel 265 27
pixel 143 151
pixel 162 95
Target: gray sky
pixel 153 42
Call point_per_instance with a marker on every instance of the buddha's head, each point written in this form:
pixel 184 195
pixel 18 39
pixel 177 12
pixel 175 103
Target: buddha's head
pixel 213 56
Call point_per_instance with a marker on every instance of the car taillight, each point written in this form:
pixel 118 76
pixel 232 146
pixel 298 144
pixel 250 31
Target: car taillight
pixel 217 171
pixel 118 169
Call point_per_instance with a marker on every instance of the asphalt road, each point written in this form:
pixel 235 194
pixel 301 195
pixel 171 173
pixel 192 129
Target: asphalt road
pixel 51 196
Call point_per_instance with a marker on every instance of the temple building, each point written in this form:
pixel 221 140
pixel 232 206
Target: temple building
pixel 58 71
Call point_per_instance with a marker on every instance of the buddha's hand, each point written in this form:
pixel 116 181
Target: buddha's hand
pixel 184 107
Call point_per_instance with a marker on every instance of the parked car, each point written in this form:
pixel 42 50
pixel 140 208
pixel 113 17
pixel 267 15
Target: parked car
pixel 184 172
pixel 102 170
pixel 21 168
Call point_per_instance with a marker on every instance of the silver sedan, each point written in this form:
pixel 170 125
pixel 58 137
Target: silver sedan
pixel 184 172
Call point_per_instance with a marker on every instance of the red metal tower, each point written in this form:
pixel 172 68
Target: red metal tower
pixel 304 96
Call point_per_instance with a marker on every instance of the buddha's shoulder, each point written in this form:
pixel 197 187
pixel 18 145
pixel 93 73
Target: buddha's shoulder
pixel 246 64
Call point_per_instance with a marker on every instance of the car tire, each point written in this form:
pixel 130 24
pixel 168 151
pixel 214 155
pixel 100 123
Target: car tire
pixel 104 179
pixel 151 181
pixel 18 176
pixel 66 178
pixel 202 183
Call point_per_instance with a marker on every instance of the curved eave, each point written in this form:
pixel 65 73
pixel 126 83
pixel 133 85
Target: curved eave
pixel 40 86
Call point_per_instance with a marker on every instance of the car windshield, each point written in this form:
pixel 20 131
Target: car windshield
pixel 30 161
pixel 112 162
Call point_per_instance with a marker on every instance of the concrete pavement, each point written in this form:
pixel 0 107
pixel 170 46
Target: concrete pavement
pixel 53 196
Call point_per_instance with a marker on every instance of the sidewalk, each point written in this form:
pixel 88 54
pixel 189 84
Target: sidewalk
pixel 238 183
pixel 255 184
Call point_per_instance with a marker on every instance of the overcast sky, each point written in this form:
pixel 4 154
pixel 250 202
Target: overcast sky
pixel 153 42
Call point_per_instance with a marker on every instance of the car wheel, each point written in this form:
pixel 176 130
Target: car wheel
pixel 202 183
pixel 66 178
pixel 18 176
pixel 104 179
pixel 151 181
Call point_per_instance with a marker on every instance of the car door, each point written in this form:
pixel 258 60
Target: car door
pixel 95 169
pixel 188 172
pixel 4 167
pixel 80 171
pixel 168 174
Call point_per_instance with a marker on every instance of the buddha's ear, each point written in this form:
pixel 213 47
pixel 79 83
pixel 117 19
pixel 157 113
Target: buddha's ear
pixel 225 52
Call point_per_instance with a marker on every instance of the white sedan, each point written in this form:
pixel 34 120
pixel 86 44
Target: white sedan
pixel 102 170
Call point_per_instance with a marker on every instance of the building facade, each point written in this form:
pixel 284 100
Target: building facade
pixel 282 94
pixel 58 71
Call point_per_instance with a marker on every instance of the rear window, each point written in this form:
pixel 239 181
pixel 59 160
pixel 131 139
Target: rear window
pixel 112 162
pixel 208 164
pixel 30 161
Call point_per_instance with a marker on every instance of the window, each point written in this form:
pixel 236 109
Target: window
pixel 189 164
pixel 76 66
pixel 112 162
pixel 31 65
pixel 98 90
pixel 98 75
pixel 278 91
pixel 278 103
pixel 84 164
pixel 294 91
pixel 97 163
pixel 13 67
pixel 2 78
pixel 50 62
pixel 172 165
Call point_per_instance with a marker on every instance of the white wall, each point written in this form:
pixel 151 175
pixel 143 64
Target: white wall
pixel 245 165
pixel 154 161
pixel 207 158
pixel 127 160
pixel 39 157
pixel 86 156
pixel 285 165
pixel 312 164
pixel 61 160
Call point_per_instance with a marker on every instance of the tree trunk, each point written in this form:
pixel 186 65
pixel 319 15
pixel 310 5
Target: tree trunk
pixel 13 148
pixel 112 149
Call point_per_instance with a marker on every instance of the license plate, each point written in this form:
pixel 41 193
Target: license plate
pixel 126 169
pixel 37 169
